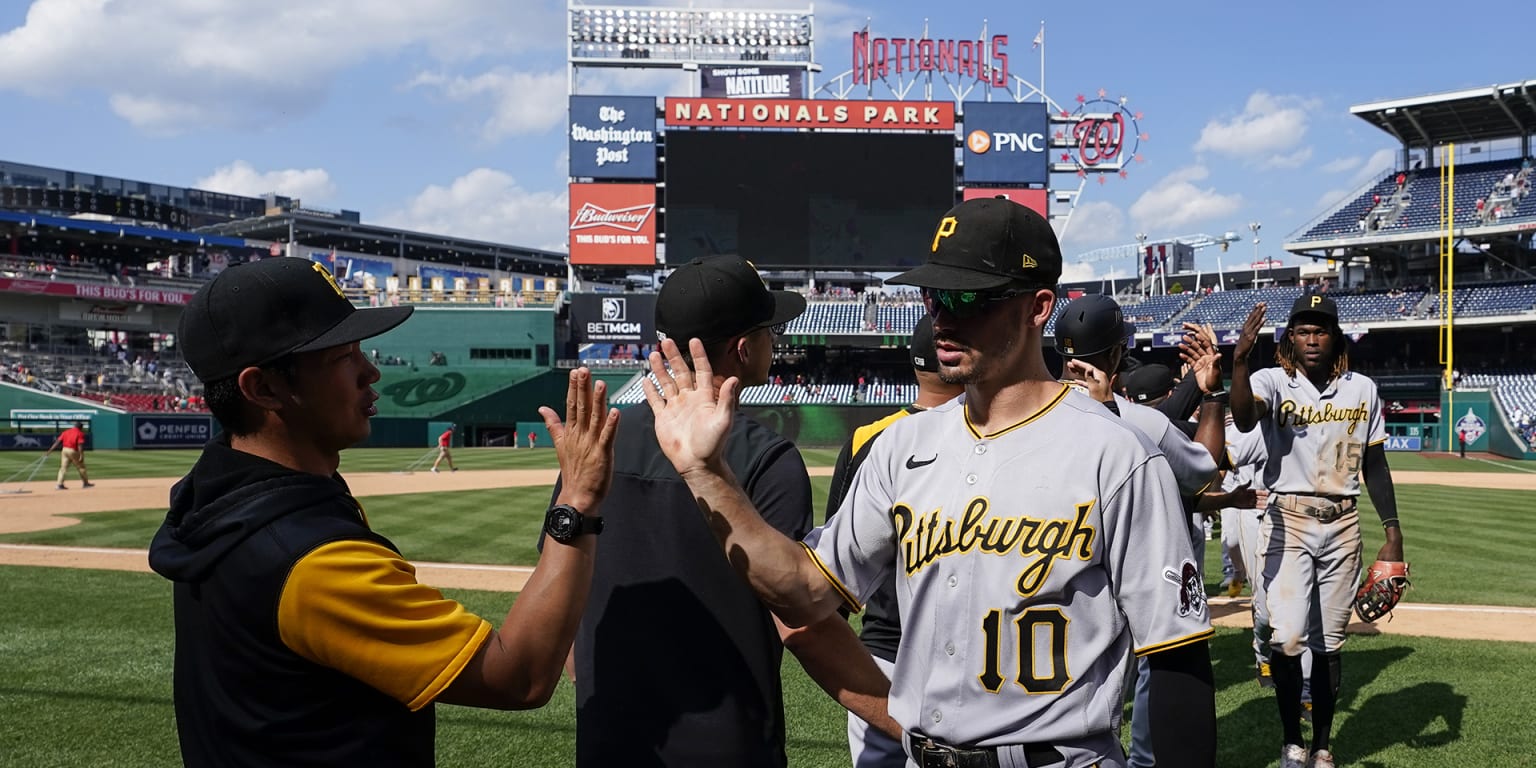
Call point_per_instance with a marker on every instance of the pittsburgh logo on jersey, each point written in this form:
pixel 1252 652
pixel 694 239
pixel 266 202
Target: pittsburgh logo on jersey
pixel 1191 588
pixel 926 538
pixel 1293 415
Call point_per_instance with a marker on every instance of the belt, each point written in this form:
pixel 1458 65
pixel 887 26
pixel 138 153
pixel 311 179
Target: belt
pixel 1325 508
pixel 928 753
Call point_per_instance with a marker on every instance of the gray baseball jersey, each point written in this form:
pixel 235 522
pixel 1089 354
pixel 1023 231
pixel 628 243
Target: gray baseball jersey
pixel 1029 564
pixel 1245 453
pixel 1192 464
pixel 1315 440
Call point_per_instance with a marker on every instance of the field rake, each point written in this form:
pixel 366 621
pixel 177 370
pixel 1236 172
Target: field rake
pixel 29 470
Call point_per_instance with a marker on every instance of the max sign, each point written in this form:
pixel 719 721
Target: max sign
pixel 613 137
pixel 1006 142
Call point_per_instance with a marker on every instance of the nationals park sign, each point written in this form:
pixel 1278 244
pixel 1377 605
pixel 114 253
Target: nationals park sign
pixel 814 113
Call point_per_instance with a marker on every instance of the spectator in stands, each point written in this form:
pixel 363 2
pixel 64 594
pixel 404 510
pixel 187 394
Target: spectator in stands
pixel 1402 179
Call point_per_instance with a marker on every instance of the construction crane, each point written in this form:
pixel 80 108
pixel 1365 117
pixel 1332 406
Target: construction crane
pixel 1156 283
pixel 1135 250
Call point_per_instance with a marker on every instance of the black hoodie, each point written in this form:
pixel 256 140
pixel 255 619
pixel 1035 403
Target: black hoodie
pixel 237 525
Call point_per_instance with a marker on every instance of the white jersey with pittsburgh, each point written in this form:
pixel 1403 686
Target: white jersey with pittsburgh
pixel 1316 440
pixel 1029 564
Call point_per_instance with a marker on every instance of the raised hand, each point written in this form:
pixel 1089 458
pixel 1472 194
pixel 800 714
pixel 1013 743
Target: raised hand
pixel 1201 356
pixel 584 442
pixel 1094 381
pixel 1250 334
pixel 693 418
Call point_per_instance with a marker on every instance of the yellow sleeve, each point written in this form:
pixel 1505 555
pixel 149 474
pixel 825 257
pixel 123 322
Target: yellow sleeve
pixel 356 607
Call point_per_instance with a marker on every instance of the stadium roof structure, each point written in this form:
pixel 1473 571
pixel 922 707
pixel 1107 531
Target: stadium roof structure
pixel 316 230
pixel 1474 114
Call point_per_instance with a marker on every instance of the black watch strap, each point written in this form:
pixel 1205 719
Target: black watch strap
pixel 564 523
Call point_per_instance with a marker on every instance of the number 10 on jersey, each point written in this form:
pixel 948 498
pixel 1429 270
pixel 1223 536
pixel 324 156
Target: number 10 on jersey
pixel 1049 624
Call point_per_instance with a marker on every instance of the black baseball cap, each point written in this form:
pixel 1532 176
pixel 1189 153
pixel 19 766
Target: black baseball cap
pixel 254 313
pixel 925 356
pixel 720 297
pixel 986 243
pixel 1148 381
pixel 1317 305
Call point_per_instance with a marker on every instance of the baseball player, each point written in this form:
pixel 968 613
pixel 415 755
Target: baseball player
pixel 1322 425
pixel 1091 335
pixel 881 634
pixel 72 453
pixel 1029 568
pixel 444 444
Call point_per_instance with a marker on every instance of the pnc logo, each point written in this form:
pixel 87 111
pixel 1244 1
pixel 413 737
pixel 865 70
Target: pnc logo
pixel 979 141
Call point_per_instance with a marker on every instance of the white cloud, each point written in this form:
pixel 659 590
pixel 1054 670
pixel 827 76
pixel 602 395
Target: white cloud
pixel 519 102
pixel 1375 165
pixel 1330 198
pixel 1341 165
pixel 1077 272
pixel 486 204
pixel 1293 160
pixel 1268 126
pixel 1093 224
pixel 168 66
pixel 1176 202
pixel 240 178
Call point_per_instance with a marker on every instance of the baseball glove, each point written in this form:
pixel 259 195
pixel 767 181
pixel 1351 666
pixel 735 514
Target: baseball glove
pixel 1383 588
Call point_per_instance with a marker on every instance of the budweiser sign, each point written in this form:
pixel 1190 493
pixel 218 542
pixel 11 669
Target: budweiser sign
pixel 613 224
pixel 629 219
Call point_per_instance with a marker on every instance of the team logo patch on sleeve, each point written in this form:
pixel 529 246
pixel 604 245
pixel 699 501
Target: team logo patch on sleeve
pixel 1191 588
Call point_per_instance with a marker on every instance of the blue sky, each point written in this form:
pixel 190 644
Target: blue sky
pixel 449 116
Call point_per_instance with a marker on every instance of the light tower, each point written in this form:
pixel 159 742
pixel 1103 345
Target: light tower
pixel 1254 225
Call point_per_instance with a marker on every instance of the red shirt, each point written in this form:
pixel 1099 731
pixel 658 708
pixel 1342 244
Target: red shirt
pixel 445 438
pixel 73 438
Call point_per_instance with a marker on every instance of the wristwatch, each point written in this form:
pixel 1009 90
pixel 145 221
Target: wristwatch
pixel 563 523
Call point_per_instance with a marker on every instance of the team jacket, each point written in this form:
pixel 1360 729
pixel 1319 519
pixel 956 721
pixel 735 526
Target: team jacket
pixel 275 569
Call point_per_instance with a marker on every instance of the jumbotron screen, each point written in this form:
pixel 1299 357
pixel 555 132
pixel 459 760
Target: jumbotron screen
pixel 806 200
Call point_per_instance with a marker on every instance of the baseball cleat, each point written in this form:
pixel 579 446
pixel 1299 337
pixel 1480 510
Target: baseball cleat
pixel 1235 588
pixel 63 487
pixel 87 485
pixel 434 470
pixel 1293 756
pixel 1321 759
pixel 1306 711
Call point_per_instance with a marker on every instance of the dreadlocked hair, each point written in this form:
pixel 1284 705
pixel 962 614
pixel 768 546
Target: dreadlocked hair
pixel 1285 353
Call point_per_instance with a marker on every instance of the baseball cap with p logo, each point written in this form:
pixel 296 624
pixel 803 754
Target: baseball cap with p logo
pixel 252 314
pixel 988 243
pixel 1314 306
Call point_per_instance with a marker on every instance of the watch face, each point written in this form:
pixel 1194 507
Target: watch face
pixel 562 524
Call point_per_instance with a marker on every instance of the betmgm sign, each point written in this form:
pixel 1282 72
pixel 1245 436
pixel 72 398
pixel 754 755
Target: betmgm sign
pixel 628 318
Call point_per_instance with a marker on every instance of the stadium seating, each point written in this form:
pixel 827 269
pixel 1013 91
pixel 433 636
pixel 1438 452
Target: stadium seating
pixel 1515 394
pixel 1228 309
pixel 1487 300
pixel 1422 213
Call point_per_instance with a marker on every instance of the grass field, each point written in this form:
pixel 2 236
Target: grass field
pixel 110 464
pixel 86 677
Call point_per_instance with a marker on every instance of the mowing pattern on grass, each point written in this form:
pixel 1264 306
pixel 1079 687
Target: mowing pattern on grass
pixel 87 681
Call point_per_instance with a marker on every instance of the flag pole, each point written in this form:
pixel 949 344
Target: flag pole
pixel 1041 38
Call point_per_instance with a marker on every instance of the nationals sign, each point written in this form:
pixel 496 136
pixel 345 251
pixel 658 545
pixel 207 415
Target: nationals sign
pixel 810 113
pixel 613 224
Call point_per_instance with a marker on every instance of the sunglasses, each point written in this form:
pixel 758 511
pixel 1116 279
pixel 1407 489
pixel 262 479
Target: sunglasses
pixel 966 304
